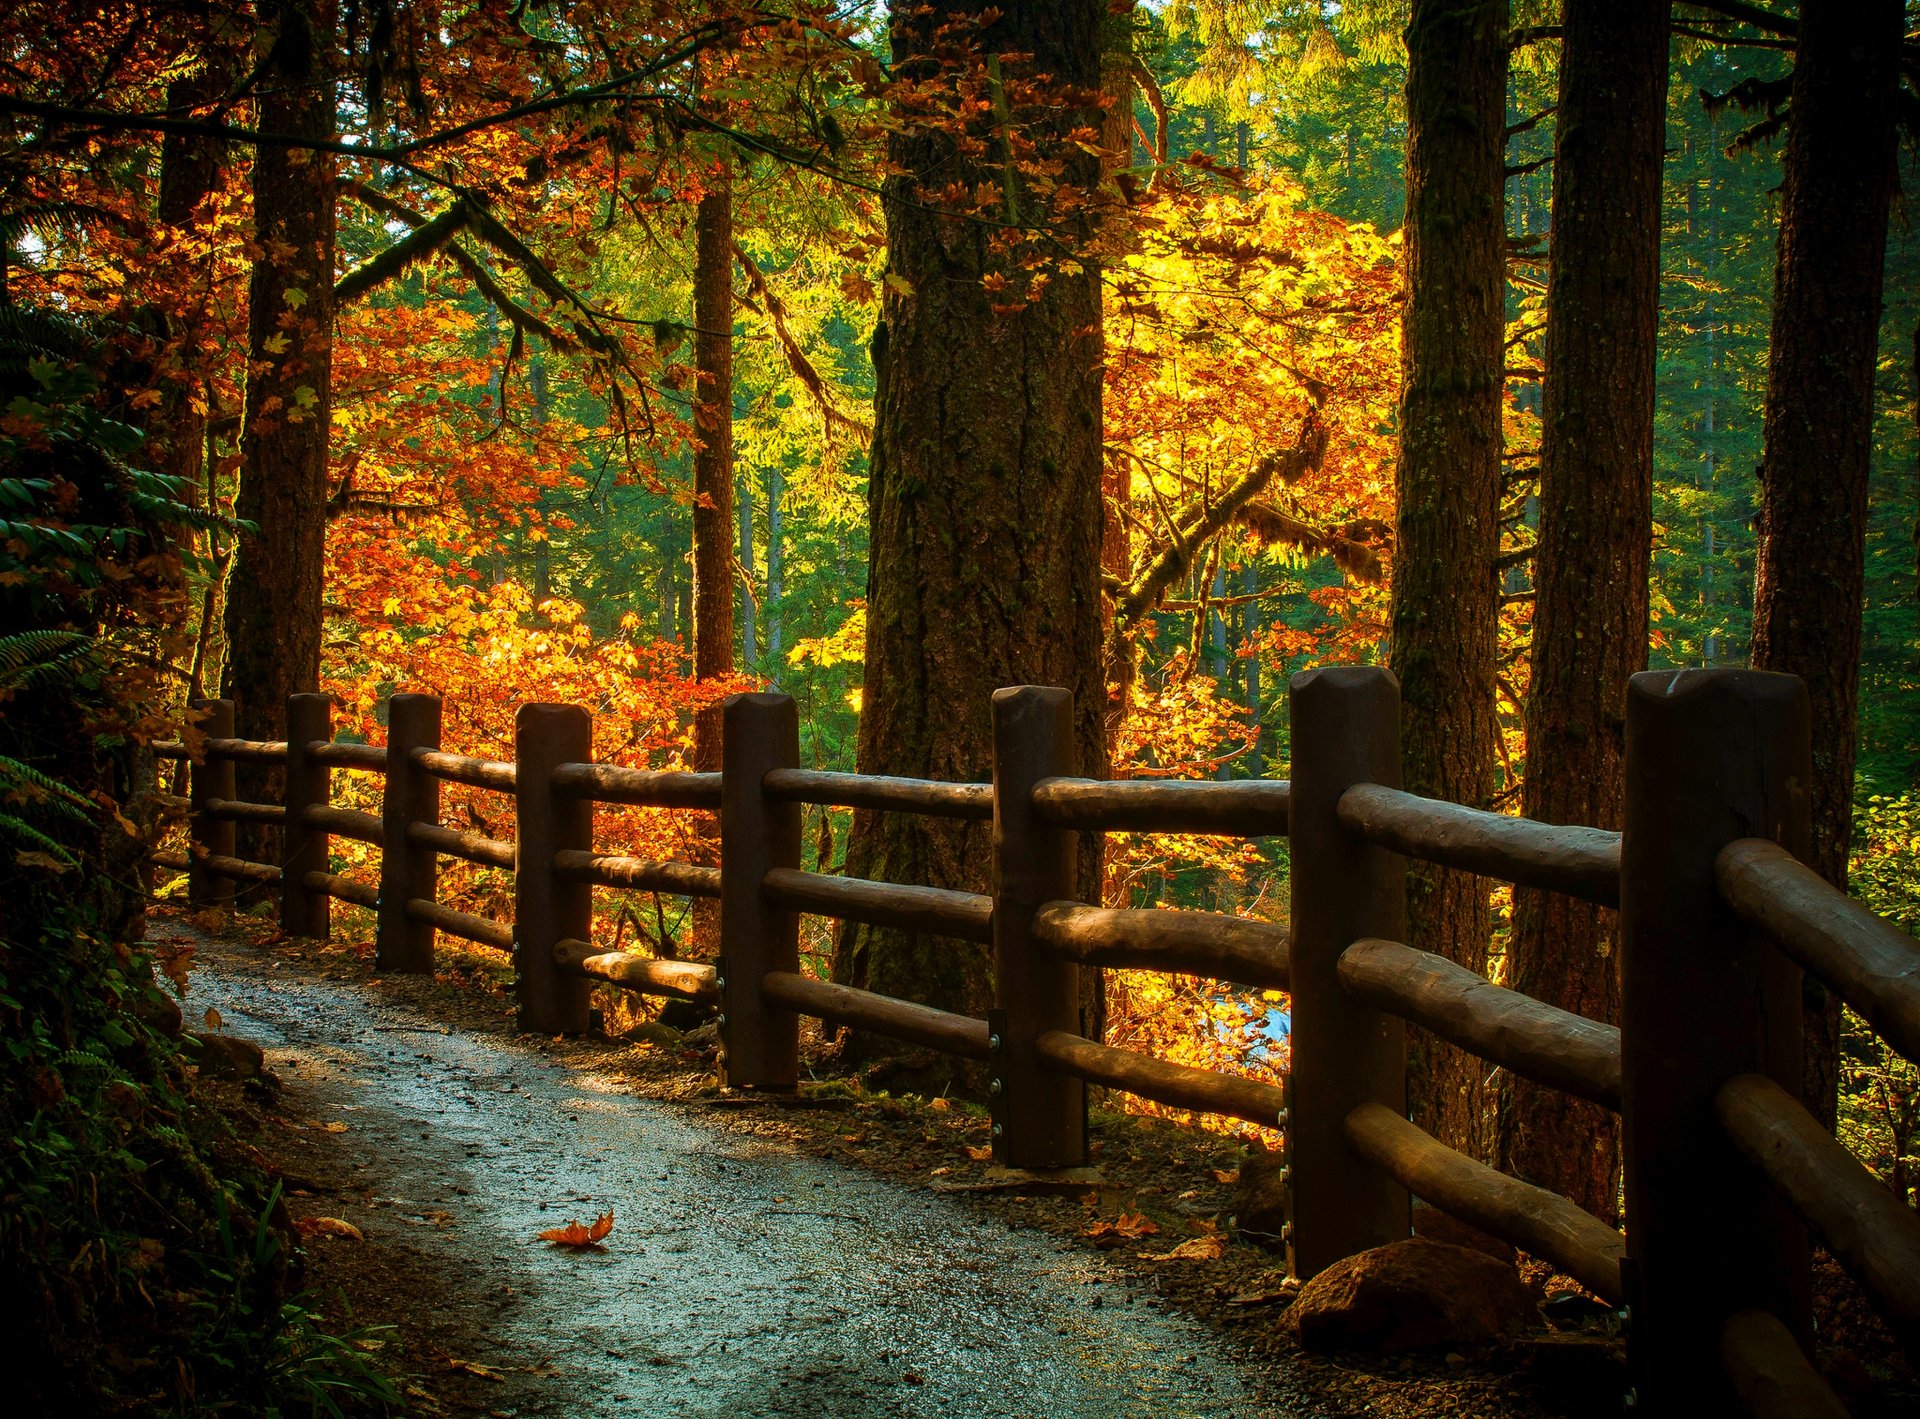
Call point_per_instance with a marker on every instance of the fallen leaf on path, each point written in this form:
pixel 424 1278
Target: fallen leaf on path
pixel 1226 1177
pixel 579 1237
pixel 328 1227
pixel 1197 1249
pixel 1127 1227
pixel 982 1153
pixel 474 1367
pixel 332 1127
pixel 213 1019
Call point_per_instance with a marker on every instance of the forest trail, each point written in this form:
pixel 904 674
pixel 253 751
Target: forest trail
pixel 742 1278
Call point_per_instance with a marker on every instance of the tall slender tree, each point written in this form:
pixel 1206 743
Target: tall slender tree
pixel 984 566
pixel 1446 593
pixel 274 614
pixel 1838 185
pixel 1596 537
pixel 712 481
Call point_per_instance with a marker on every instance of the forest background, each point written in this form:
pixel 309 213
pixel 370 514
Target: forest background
pixel 566 311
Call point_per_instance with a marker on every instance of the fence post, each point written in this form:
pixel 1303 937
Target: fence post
pixel 208 779
pixel 545 908
pixel 1040 1114
pixel 1346 730
pixel 304 912
pixel 760 1043
pixel 1712 756
pixel 406 869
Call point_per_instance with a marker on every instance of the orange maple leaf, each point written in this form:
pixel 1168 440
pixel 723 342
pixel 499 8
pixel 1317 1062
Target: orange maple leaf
pixel 579 1237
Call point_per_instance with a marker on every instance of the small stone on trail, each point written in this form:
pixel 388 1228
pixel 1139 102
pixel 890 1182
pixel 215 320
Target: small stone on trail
pixel 1411 1295
pixel 229 1056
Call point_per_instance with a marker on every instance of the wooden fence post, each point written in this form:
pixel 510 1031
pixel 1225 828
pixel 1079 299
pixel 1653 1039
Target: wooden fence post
pixel 1040 1114
pixel 547 909
pixel 304 912
pixel 1712 756
pixel 760 1042
pixel 407 870
pixel 209 779
pixel 1346 730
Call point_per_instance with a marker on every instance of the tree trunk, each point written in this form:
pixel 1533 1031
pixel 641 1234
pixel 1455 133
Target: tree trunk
pixel 1596 537
pixel 985 483
pixel 1838 184
pixel 274 609
pixel 712 493
pixel 749 633
pixel 1445 608
pixel 776 562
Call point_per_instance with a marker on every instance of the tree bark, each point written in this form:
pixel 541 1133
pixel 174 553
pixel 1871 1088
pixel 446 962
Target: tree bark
pixel 985 493
pixel 1596 538
pixel 776 562
pixel 1838 184
pixel 712 493
pixel 274 608
pixel 1445 603
pixel 749 632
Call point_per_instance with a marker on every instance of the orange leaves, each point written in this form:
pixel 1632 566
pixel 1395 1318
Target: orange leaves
pixel 328 1227
pixel 1127 1227
pixel 576 1237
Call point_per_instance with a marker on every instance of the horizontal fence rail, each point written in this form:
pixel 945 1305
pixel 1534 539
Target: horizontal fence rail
pixel 1226 948
pixel 609 783
pixel 682 879
pixel 936 910
pixel 1715 928
pixel 1531 1038
pixel 1869 962
pixel 1249 808
pixel 1582 862
pixel 923 797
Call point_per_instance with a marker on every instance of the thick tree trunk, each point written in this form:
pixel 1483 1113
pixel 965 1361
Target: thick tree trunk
pixel 274 610
pixel 712 491
pixel 1445 609
pixel 1838 183
pixel 984 568
pixel 1596 534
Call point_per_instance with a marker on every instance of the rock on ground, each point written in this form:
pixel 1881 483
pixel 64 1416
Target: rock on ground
pixel 1411 1295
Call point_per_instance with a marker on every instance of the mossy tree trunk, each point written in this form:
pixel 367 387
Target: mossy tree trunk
pixel 1838 185
pixel 985 489
pixel 1446 595
pixel 1596 529
pixel 274 611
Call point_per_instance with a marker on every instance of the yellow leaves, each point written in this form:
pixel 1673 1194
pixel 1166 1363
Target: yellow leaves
pixel 899 284
pixel 277 343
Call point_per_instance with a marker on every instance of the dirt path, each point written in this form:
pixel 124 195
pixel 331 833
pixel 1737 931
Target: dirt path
pixel 742 1277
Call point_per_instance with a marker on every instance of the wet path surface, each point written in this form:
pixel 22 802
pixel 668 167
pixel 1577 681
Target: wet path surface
pixel 742 1278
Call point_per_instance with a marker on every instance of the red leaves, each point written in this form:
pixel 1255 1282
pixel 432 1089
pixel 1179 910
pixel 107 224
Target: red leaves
pixel 576 1237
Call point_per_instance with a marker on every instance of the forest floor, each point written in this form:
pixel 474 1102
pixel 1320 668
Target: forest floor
pixel 845 1253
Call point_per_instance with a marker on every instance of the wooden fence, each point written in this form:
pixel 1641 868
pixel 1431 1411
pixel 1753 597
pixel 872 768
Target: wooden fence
pixel 1726 1172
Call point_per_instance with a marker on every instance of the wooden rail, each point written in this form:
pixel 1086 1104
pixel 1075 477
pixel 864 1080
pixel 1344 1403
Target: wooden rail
pixel 1180 1085
pixel 1870 962
pixel 923 1025
pixel 1540 1222
pixel 1872 1233
pixel 1515 1031
pixel 469 847
pixel 965 915
pixel 688 980
pixel 608 783
pixel 1716 1143
pixel 371 758
pixel 876 791
pixel 494 774
pixel 232 812
pixel 638 874
pixel 1224 948
pixel 1582 862
pixel 1249 808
